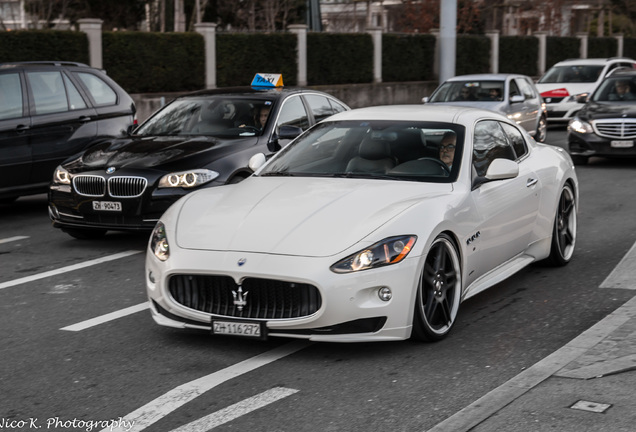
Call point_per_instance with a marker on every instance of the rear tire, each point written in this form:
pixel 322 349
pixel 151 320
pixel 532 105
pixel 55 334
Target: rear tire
pixel 564 229
pixel 438 292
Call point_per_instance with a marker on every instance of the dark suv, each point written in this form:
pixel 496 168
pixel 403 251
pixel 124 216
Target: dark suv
pixel 606 125
pixel 50 111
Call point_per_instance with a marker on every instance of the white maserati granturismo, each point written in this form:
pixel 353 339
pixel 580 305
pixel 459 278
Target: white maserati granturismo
pixel 374 225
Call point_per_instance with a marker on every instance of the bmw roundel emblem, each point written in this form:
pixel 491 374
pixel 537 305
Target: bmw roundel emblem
pixel 110 170
pixel 241 261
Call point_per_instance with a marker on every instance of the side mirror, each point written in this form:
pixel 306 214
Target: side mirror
pixel 425 99
pixel 582 98
pixel 257 161
pixel 499 169
pixel 289 132
pixel 517 98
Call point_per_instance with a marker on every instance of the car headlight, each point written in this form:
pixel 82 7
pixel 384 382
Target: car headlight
pixel 61 176
pixel 580 126
pixel 386 252
pixel 187 179
pixel 159 242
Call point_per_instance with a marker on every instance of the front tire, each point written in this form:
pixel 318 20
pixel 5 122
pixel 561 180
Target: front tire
pixel 438 292
pixel 564 229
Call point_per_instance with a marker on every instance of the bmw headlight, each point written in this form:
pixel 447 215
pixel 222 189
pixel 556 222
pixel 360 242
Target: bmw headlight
pixel 580 126
pixel 389 251
pixel 159 242
pixel 187 179
pixel 61 176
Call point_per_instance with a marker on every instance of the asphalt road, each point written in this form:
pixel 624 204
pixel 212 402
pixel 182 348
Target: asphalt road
pixel 68 364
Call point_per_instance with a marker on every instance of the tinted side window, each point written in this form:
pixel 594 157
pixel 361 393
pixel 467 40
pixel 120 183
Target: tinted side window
pixel 11 102
pixel 516 139
pixel 337 108
pixel 49 94
pixel 76 101
pixel 489 143
pixel 293 114
pixel 320 107
pixel 526 88
pixel 99 90
pixel 514 90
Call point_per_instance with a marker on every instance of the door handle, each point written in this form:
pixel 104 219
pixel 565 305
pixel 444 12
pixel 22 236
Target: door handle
pixel 84 119
pixel 531 182
pixel 21 128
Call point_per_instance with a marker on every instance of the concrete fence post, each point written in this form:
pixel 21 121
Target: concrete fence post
pixel 435 32
pixel 208 31
pixel 376 36
pixel 543 51
pixel 621 41
pixel 300 30
pixel 583 48
pixel 93 29
pixel 494 50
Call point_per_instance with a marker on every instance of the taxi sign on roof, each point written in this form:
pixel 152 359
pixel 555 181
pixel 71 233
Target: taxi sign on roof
pixel 267 80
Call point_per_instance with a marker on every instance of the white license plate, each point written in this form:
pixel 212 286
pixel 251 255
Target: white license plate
pixel 622 144
pixel 107 206
pixel 236 328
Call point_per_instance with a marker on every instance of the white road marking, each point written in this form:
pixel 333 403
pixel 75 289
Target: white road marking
pixel 179 396
pixel 237 410
pixel 10 239
pixel 624 274
pixel 67 269
pixel 108 317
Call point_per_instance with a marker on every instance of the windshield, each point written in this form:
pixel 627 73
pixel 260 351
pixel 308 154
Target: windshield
pixel 458 91
pixel 217 116
pixel 417 151
pixel 616 90
pixel 572 74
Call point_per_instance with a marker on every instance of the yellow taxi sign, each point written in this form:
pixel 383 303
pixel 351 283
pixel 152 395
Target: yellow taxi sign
pixel 267 80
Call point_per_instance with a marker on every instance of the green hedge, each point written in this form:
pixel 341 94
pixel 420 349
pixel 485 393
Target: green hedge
pixel 602 47
pixel 561 48
pixel 240 56
pixel 407 57
pixel 144 62
pixel 337 58
pixel 629 47
pixel 39 45
pixel 473 54
pixel 526 53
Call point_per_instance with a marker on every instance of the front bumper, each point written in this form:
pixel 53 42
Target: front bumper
pixel 350 308
pixel 67 209
pixel 593 145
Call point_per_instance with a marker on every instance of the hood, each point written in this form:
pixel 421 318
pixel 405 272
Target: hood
pixel 152 152
pixel 560 90
pixel 605 110
pixel 295 216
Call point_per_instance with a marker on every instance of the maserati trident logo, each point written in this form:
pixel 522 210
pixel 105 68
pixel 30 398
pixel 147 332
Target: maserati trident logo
pixel 240 298
pixel 110 170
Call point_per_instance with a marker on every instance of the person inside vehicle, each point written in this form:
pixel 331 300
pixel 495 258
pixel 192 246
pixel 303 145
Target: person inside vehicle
pixel 466 94
pixel 447 148
pixel 623 91
pixel 495 94
pixel 261 116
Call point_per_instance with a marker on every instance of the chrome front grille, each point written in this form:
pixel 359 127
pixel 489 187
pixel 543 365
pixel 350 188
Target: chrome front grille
pixel 616 128
pixel 89 185
pixel 263 298
pixel 126 187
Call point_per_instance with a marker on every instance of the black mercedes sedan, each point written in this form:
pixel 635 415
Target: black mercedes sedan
pixel 198 140
pixel 606 125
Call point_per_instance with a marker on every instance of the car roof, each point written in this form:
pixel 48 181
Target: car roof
pixel 275 93
pixel 432 113
pixel 484 77
pixel 592 61
pixel 7 65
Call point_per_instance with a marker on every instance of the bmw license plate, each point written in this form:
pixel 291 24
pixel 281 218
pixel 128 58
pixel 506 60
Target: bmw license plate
pixel 622 144
pixel 238 328
pixel 107 206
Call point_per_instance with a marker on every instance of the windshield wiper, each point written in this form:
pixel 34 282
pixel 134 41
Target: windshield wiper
pixel 278 173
